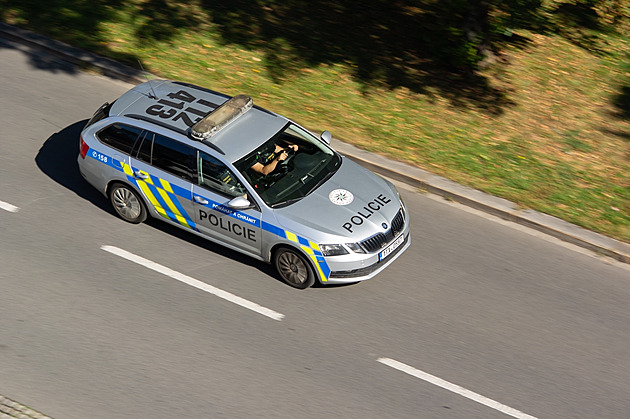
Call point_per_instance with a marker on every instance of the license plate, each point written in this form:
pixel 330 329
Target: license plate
pixel 400 240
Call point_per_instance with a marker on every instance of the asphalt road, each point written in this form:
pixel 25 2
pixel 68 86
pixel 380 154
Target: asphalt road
pixel 480 317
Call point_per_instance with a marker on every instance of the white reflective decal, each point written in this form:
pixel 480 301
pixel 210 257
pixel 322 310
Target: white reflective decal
pixel 341 197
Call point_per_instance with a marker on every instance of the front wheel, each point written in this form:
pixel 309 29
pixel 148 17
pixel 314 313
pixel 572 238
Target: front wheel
pixel 127 204
pixel 293 268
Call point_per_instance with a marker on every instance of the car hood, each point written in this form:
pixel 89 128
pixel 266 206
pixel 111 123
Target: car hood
pixel 354 203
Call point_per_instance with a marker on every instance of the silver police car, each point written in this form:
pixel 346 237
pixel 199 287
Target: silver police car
pixel 246 178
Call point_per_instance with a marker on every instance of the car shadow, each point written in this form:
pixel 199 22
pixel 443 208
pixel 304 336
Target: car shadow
pixel 57 158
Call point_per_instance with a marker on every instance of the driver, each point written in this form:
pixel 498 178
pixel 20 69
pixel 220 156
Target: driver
pixel 267 162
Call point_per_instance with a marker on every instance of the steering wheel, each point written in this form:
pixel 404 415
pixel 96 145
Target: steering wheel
pixel 284 164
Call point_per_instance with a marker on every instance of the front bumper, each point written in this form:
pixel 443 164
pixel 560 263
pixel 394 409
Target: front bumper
pixel 348 272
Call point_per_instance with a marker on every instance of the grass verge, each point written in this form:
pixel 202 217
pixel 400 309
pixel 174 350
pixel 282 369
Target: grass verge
pixel 558 143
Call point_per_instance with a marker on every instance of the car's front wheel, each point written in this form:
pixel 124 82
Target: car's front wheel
pixel 127 204
pixel 293 268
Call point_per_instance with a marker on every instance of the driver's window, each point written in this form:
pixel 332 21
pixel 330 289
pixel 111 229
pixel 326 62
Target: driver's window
pixel 216 176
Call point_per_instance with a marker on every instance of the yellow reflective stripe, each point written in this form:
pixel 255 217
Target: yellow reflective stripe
pixel 163 213
pixel 173 208
pixel 163 193
pixel 126 168
pixel 309 250
pixel 148 193
pixel 149 179
pixel 314 257
pixel 152 199
pixel 166 186
pixel 291 236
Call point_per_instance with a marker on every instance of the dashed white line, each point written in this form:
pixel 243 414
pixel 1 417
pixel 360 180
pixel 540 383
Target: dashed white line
pixel 194 282
pixel 8 207
pixel 454 388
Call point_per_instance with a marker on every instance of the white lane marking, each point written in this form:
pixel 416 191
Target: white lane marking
pixel 194 282
pixel 8 207
pixel 454 388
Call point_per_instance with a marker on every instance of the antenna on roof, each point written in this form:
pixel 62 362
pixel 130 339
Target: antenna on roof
pixel 151 96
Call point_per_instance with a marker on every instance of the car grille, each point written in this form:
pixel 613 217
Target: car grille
pixel 355 273
pixel 378 241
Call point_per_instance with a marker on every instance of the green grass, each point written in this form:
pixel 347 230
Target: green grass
pixel 553 135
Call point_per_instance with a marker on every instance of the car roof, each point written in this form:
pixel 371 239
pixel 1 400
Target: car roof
pixel 162 101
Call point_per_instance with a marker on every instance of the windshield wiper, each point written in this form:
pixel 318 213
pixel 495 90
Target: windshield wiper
pixel 321 181
pixel 287 202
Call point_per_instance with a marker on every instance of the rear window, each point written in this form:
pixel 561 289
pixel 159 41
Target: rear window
pixel 119 136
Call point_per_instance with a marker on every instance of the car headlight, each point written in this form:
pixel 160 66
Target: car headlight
pixel 333 249
pixel 340 249
pixel 355 247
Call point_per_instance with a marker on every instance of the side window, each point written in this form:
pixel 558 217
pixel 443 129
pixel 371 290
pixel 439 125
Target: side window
pixel 216 176
pixel 119 136
pixel 173 157
pixel 145 147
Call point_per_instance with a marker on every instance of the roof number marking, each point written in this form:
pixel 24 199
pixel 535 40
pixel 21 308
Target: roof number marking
pixel 168 109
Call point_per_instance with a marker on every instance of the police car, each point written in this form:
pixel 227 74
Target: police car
pixel 246 178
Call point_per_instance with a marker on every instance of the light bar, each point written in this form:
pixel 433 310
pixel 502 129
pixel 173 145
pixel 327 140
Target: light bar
pixel 221 116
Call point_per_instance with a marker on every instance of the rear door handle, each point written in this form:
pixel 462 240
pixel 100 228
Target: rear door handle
pixel 140 175
pixel 201 200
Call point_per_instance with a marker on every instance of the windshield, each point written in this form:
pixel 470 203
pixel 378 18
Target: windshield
pixel 289 166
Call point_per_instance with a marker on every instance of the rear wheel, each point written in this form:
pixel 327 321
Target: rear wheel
pixel 293 268
pixel 127 204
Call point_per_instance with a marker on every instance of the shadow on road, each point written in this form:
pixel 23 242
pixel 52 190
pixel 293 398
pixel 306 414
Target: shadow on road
pixel 57 158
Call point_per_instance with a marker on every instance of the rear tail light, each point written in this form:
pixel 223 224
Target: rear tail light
pixel 83 148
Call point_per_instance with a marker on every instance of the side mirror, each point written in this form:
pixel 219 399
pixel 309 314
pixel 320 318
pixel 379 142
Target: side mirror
pixel 239 203
pixel 326 137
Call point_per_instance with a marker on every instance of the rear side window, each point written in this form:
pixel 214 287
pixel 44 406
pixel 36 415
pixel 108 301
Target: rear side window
pixel 173 157
pixel 145 147
pixel 119 136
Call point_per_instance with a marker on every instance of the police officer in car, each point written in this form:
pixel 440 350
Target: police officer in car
pixel 266 162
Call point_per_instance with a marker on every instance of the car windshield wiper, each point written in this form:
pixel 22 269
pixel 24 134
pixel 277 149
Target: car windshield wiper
pixel 320 182
pixel 287 202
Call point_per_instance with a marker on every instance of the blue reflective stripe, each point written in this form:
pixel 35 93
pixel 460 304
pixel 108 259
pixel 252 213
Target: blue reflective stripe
pixel 323 265
pixel 179 191
pixel 273 229
pixel 163 204
pixel 321 261
pixel 241 216
pixel 179 206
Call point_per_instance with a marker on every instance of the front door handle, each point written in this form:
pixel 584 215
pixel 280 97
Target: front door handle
pixel 200 200
pixel 140 175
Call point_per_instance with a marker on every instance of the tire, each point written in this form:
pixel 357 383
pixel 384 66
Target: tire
pixel 293 268
pixel 127 204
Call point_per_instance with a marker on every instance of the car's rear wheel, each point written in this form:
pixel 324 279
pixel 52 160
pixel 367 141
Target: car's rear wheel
pixel 127 204
pixel 293 268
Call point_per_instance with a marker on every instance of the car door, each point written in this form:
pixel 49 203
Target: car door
pixel 164 170
pixel 216 185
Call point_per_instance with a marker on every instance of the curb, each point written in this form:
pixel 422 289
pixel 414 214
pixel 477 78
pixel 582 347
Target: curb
pixel 403 172
pixel 490 204
pixel 79 57
pixel 10 409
